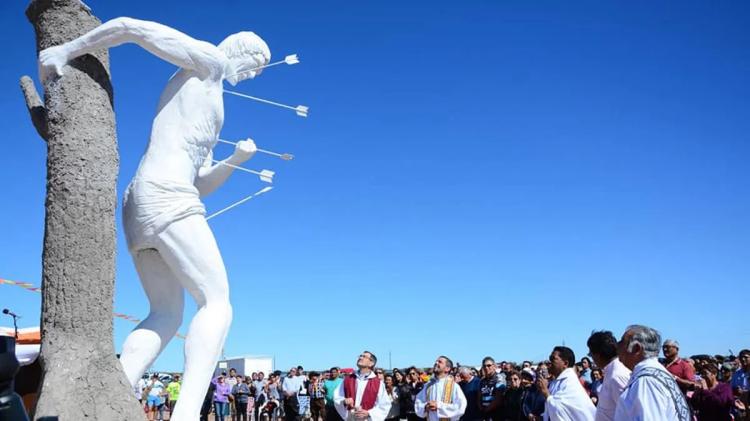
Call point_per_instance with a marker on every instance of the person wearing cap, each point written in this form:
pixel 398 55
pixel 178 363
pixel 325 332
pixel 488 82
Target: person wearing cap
pixel 221 398
pixel 603 349
pixel 154 391
pixel 173 390
pixel 681 369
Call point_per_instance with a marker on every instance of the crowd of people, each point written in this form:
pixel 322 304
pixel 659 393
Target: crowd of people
pixel 617 380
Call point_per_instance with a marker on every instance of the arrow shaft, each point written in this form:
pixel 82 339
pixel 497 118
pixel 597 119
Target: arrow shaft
pixel 258 68
pixel 258 149
pixel 265 101
pixel 237 203
pixel 236 167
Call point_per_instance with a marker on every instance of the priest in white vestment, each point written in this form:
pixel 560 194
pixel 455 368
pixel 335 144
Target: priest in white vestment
pixel 362 396
pixel 441 398
pixel 652 394
pixel 566 399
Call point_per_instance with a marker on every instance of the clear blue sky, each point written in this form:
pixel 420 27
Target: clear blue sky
pixel 475 177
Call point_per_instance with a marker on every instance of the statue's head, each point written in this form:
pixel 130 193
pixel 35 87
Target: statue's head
pixel 246 52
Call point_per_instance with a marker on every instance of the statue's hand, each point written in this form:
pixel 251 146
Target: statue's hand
pixel 244 150
pixel 51 62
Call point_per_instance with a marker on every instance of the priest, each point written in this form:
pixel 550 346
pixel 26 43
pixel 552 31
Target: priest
pixel 566 399
pixel 441 398
pixel 361 396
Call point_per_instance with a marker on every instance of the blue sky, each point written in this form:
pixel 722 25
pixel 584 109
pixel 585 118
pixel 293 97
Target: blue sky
pixel 475 178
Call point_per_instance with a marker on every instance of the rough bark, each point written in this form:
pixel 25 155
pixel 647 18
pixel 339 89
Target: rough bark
pixel 82 379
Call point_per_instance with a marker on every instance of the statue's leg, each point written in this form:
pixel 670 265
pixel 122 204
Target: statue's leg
pixel 165 296
pixel 189 248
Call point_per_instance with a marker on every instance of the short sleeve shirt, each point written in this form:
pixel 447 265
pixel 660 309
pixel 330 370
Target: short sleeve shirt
pixel 488 387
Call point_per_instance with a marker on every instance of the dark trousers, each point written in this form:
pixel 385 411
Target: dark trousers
pixel 332 414
pixel 291 408
pixel 413 417
pixel 318 409
pixel 241 411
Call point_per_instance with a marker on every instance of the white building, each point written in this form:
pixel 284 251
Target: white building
pixel 246 365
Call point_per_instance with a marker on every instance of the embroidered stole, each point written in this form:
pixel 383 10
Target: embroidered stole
pixel 447 393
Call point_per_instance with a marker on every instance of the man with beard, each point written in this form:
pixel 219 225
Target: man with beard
pixel 566 399
pixel 330 384
pixel 441 398
pixel 361 396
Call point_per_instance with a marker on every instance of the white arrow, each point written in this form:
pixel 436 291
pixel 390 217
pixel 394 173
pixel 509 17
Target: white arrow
pixel 265 175
pixel 239 202
pixel 284 156
pixel 301 110
pixel 290 59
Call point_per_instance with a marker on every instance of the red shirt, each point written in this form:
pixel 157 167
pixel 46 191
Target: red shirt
pixel 682 369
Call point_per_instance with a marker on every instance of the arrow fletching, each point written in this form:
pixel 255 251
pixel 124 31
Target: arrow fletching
pixel 291 59
pixel 301 110
pixel 267 176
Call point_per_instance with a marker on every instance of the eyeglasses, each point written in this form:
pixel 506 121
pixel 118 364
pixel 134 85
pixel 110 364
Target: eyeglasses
pixel 365 356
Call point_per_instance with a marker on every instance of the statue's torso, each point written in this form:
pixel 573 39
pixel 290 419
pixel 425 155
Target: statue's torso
pixel 188 121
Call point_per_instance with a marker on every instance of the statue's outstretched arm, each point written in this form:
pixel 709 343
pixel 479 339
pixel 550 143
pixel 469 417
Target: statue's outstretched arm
pixel 164 42
pixel 211 177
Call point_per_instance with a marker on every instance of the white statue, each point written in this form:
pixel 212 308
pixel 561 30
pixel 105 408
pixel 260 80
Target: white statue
pixel 172 246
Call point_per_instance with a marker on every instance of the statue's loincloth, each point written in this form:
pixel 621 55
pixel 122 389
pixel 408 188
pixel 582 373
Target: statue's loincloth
pixel 149 206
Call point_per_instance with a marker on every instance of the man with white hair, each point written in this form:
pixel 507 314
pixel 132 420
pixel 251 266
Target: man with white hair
pixel 470 386
pixel 652 393
pixel 681 369
pixel 441 398
pixel 169 239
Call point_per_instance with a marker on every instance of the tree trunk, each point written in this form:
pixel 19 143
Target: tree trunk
pixel 82 378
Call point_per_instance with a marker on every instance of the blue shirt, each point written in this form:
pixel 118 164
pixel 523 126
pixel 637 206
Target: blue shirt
pixel 490 386
pixel 471 392
pixel 741 379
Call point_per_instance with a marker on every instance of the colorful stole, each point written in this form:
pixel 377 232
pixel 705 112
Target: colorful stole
pixel 447 393
pixel 368 397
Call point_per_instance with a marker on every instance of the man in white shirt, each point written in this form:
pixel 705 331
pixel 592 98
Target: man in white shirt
pixel 291 387
pixel 566 399
pixel 441 398
pixel 652 394
pixel 361 396
pixel 603 349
